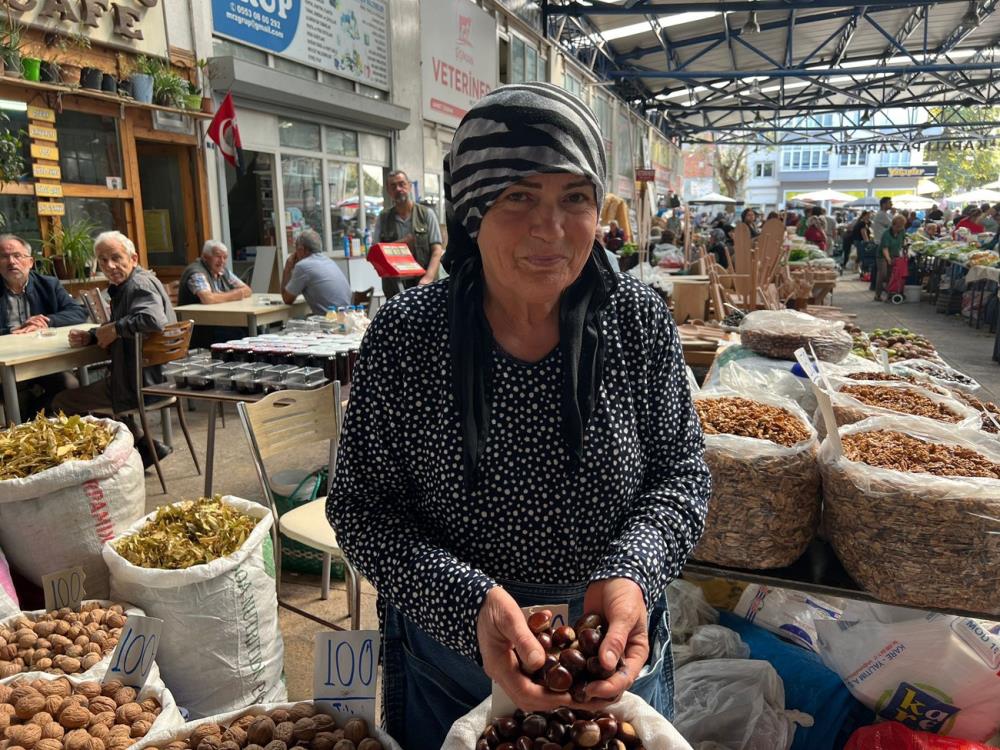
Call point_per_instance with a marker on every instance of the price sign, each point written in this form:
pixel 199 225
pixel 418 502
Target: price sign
pixel 883 359
pixel 64 588
pixel 822 398
pixel 135 653
pixel 344 671
pixel 502 705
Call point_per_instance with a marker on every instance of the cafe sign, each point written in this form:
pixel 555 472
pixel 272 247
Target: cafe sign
pixel 135 25
pixel 924 170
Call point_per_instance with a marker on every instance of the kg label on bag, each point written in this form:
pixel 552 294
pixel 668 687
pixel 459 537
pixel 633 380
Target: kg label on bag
pixel 344 670
pixel 64 588
pixel 135 653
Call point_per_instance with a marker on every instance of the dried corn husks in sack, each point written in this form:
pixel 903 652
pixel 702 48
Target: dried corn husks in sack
pixel 912 509
pixel 765 502
pixel 69 485
pixel 221 648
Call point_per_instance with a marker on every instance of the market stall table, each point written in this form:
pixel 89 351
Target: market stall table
pixel 250 313
pixel 33 355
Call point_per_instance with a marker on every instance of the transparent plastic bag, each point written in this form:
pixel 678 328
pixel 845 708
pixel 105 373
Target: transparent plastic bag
pixel 778 333
pixel 717 642
pixel 940 374
pixel 789 614
pixel 767 376
pixel 688 610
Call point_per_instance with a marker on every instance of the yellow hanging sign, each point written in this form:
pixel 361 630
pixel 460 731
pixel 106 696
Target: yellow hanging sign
pixel 39 151
pixel 48 191
pixel 46 172
pixel 42 133
pixel 43 114
pixel 49 208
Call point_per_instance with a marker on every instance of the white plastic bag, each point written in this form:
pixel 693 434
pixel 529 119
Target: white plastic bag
pixel 221 648
pixel 97 671
pixel 937 373
pixel 932 672
pixel 8 596
pixel 767 376
pixel 688 609
pixel 717 642
pixel 734 704
pixel 790 614
pixel 61 517
pixel 164 736
pixel 778 333
pixel 656 732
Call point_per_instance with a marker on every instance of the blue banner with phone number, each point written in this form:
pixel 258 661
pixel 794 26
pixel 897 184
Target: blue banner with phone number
pixel 269 24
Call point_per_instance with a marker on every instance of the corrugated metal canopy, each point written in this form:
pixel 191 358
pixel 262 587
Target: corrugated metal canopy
pixel 743 66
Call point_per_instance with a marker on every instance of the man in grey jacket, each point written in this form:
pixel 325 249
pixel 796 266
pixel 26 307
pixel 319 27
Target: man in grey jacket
pixel 139 304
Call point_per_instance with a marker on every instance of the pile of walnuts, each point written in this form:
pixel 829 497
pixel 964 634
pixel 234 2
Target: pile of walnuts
pixel 301 726
pixel 62 641
pixel 56 715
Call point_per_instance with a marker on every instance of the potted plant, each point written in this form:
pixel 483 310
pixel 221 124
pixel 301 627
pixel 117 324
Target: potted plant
pixel 32 68
pixel 141 79
pixel 206 101
pixel 11 154
pixel 91 78
pixel 10 45
pixel 63 68
pixel 169 89
pixel 72 249
pixel 192 100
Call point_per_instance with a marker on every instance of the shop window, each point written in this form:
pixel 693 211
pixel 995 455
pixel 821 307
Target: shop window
pixel 105 214
pixel 516 60
pixel 602 109
pixel 336 82
pixel 168 203
pixel 530 64
pixel 345 201
pixel 572 84
pixel 293 68
pixel 371 92
pixel 302 189
pixel 302 135
pixel 894 159
pixel 375 148
pixel 341 142
pixel 251 208
pixel 374 189
pixel 89 150
pixel 763 169
pixel 804 158
pixel 18 216
pixel 623 146
pixel 17 121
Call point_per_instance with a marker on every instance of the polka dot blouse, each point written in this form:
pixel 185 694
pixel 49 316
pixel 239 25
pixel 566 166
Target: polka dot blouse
pixel 634 507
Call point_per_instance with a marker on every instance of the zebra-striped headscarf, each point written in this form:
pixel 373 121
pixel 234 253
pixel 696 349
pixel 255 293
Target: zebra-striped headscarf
pixel 510 134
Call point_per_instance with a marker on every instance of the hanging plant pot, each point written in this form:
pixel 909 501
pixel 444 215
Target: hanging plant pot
pixel 91 78
pixel 109 84
pixel 142 87
pixel 32 68
pixel 51 72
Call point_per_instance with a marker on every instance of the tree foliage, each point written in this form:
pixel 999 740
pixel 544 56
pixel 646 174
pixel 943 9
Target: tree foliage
pixel 731 169
pixel 969 167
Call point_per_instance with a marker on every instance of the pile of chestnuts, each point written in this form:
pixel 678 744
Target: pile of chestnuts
pixel 562 729
pixel 571 660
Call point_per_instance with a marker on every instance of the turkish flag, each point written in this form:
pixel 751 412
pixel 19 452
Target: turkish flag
pixel 226 133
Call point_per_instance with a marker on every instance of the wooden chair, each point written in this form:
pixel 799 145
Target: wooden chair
pixel 157 349
pixel 96 305
pixel 285 421
pixel 364 298
pixel 173 289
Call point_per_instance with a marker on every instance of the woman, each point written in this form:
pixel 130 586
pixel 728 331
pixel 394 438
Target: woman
pixel 519 433
pixel 860 233
pixel 718 247
pixel 890 247
pixel 749 217
pixel 971 222
pixel 815 233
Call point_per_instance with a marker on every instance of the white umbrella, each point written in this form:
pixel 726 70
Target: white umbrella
pixel 914 202
pixel 976 196
pixel 925 186
pixel 711 199
pixel 833 196
pixel 993 185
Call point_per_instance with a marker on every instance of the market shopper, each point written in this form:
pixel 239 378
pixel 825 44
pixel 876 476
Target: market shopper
pixel 209 281
pixel 749 217
pixel 883 219
pixel 815 233
pixel 972 222
pixel 313 275
pixel 614 238
pixel 139 304
pixel 414 224
pixel 859 235
pixel 890 247
pixel 519 433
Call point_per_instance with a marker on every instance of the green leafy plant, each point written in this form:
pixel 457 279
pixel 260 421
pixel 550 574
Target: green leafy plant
pixel 629 248
pixel 169 89
pixel 74 242
pixel 10 41
pixel 149 66
pixel 11 154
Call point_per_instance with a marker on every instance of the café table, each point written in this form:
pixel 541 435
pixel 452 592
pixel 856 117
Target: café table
pixel 250 313
pixel 32 355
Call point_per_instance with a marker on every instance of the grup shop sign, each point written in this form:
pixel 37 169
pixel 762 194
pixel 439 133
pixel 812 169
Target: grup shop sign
pixel 348 38
pixel 458 52
pixel 136 25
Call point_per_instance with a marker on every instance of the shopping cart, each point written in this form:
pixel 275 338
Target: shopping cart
pixel 897 280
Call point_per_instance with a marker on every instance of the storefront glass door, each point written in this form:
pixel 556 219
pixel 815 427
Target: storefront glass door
pixel 168 208
pixel 250 199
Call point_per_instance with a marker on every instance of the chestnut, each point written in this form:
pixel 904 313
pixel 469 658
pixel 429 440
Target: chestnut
pixel 564 714
pixel 589 639
pixel 482 745
pixel 595 668
pixel 539 622
pixel 585 733
pixel 590 621
pixel 506 746
pixel 627 735
pixel 545 641
pixel 556 732
pixel 558 679
pixel 608 726
pixel 491 736
pixel 534 725
pixel 563 636
pixel 573 660
pixel 507 727
pixel 524 743
pixel 539 743
pixel 551 746
pixel 578 693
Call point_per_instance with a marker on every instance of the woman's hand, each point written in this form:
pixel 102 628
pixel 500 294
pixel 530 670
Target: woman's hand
pixel 620 601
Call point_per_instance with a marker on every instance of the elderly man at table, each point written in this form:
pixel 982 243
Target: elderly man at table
pixel 30 302
pixel 209 281
pixel 313 275
pixel 139 304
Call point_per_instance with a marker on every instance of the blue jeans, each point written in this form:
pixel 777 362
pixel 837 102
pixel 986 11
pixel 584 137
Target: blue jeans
pixel 427 686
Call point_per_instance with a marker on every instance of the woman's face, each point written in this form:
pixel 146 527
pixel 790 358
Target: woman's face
pixel 536 238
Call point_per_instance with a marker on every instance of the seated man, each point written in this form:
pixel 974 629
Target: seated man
pixel 614 238
pixel 31 302
pixel 139 304
pixel 209 281
pixel 313 275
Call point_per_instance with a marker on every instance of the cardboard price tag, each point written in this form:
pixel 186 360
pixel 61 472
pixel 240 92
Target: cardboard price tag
pixel 64 588
pixel 883 359
pixel 344 671
pixel 501 703
pixel 135 653
pixel 812 369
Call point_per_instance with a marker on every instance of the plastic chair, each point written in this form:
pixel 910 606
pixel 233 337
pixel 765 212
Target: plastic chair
pixel 285 421
pixel 157 349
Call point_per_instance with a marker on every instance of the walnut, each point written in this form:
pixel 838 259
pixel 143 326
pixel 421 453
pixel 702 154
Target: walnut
pixel 41 718
pixel 304 729
pixel 141 728
pixel 275 745
pixel 47 743
pixel 99 731
pixel 125 695
pixel 324 722
pixel 344 745
pixel 236 734
pixel 355 730
pixel 128 713
pixel 152 705
pixel 102 703
pixel 67 664
pixel 324 741
pixel 118 742
pixel 74 716
pixel 280 714
pixel 109 688
pixel 211 742
pixel 302 710
pixel 229 745
pixel 60 687
pixel 370 743
pixel 28 705
pixel 25 735
pixel 260 732
pixel 53 731
pixel 104 719
pixel 284 732
pixel 96 743
pixel 7 669
pixel 78 739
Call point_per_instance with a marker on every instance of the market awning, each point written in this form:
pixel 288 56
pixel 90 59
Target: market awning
pixel 913 202
pixel 976 196
pixel 711 199
pixel 821 196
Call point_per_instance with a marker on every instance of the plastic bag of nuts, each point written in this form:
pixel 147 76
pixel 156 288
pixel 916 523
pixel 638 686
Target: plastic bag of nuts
pixel 638 724
pixel 912 510
pixel 778 333
pixel 77 642
pixel 272 726
pixel 45 712
pixel 765 504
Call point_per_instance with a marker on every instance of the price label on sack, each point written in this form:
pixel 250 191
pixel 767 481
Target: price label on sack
pixel 64 588
pixel 344 671
pixel 502 705
pixel 135 653
pixel 815 374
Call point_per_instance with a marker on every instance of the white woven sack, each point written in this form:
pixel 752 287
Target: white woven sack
pixel 8 596
pixel 97 671
pixel 221 649
pixel 656 732
pixel 160 738
pixel 61 517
